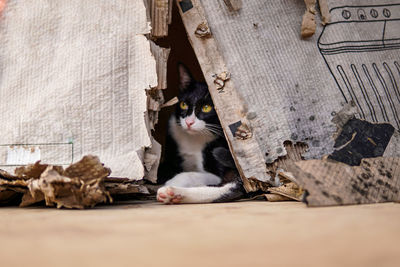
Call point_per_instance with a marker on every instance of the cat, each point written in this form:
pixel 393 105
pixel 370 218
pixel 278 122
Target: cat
pixel 197 165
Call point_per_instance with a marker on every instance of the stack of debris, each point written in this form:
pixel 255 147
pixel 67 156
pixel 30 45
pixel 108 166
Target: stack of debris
pixel 81 185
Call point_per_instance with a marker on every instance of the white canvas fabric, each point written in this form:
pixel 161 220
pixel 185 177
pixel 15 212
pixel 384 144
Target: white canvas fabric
pixel 73 76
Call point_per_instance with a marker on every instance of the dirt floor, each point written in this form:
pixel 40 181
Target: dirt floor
pixel 233 234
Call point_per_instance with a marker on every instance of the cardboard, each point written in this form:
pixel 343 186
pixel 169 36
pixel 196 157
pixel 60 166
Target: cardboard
pixel 333 183
pixel 161 16
pixel 81 185
pixel 309 25
pixel 73 81
pixel 287 89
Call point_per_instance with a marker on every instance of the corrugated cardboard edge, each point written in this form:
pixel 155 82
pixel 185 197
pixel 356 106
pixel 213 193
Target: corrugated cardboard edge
pixel 160 12
pixel 331 183
pixel 228 103
pixel 161 56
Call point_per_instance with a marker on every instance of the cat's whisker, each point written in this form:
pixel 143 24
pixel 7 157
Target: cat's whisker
pixel 213 125
pixel 207 132
pixel 217 132
pixel 214 128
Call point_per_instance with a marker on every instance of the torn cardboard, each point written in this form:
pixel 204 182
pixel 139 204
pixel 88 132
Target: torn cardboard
pixel 356 172
pixel 334 183
pixel 161 16
pixel 309 25
pixel 361 139
pixel 284 88
pixel 78 73
pixel 81 185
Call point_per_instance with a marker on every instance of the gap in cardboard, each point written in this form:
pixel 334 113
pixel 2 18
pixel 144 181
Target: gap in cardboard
pixel 181 52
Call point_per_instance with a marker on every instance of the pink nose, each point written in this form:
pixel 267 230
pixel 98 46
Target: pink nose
pixel 189 122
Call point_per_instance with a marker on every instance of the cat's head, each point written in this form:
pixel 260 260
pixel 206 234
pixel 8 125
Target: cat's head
pixel 195 111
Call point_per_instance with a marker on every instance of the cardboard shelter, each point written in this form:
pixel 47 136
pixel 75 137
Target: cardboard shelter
pixel 87 79
pixel 281 97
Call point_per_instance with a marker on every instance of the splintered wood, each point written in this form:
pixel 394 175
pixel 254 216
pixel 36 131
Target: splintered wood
pixel 335 183
pixel 309 25
pixel 161 56
pixel 233 5
pixel 160 16
pixel 82 184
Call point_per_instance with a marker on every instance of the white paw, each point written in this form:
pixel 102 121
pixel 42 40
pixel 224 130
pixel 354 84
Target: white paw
pixel 168 195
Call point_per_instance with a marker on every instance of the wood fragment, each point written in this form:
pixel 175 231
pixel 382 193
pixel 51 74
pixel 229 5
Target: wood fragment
pixel 289 190
pixel 170 102
pixel 294 152
pixel 308 26
pixel 324 9
pixel 220 80
pixel 276 198
pixel 203 31
pixel 234 5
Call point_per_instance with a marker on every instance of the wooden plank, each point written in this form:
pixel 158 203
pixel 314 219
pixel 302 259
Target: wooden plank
pixel 228 103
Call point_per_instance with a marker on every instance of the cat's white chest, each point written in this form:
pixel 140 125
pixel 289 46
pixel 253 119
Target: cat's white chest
pixel 190 147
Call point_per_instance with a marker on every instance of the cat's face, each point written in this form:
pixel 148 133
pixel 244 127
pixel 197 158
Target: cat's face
pixel 195 111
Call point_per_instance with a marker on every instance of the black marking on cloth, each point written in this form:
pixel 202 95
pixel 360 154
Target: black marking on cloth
pixel 387 93
pixel 185 5
pixel 364 92
pixel 234 126
pixel 376 93
pixel 369 141
pixel 350 89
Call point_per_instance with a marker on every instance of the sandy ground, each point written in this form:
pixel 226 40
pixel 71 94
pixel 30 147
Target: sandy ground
pixel 231 234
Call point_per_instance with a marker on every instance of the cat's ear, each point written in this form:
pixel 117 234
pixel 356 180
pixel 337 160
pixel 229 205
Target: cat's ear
pixel 185 78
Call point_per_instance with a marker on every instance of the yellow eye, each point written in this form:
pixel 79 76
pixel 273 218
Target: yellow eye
pixel 206 108
pixel 183 105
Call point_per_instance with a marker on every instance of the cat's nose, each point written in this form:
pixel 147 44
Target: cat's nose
pixel 189 122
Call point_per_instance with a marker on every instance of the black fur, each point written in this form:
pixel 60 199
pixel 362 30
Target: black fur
pixel 193 93
pixel 216 156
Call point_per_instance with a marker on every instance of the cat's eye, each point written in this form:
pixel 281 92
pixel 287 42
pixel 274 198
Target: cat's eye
pixel 183 105
pixel 206 108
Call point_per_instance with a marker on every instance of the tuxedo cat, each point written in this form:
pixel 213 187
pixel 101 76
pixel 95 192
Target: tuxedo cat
pixel 197 165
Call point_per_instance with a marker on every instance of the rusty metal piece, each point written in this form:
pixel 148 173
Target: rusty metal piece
pixel 243 132
pixel 203 31
pixel 220 80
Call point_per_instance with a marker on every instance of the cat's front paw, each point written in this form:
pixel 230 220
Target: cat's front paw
pixel 168 195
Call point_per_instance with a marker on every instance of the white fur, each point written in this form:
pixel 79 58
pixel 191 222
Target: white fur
pixel 194 179
pixel 198 127
pixel 194 185
pixel 203 194
pixel 190 145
